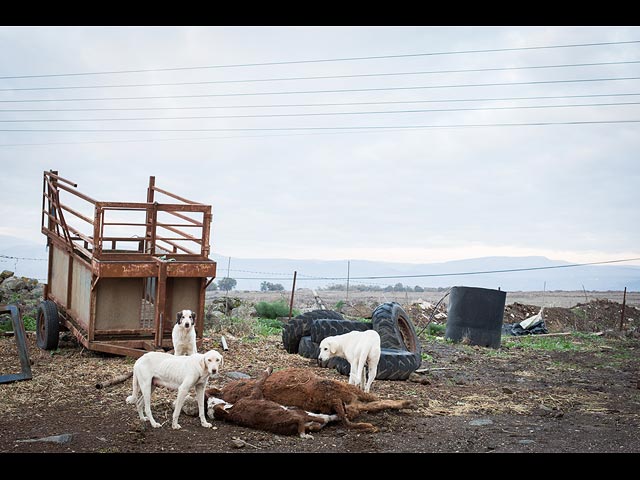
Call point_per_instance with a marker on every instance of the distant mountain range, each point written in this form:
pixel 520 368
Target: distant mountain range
pixel 251 272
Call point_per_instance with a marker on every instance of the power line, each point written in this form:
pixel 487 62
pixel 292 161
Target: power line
pixel 324 60
pixel 22 258
pixel 370 127
pixel 482 272
pixel 180 139
pixel 379 277
pixel 450 100
pixel 274 115
pixel 322 77
pixel 346 90
pixel 225 137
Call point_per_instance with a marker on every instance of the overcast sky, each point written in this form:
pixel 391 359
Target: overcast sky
pixel 287 180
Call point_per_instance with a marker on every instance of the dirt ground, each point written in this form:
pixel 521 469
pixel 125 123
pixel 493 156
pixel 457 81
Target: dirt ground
pixel 573 393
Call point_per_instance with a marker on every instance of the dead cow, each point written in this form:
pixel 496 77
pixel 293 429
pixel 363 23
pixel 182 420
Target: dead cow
pixel 256 412
pixel 299 387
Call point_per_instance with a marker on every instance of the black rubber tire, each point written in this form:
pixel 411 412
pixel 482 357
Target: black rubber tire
pixel 393 364
pixel 397 364
pixel 308 348
pixel 395 328
pixel 300 326
pixel 339 363
pixel 326 327
pixel 47 325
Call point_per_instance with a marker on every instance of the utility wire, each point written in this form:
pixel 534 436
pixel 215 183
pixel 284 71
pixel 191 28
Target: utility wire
pixel 450 100
pixel 22 258
pixel 370 127
pixel 483 272
pixel 321 77
pixel 324 60
pixel 346 90
pixel 379 277
pixel 319 114
pixel 180 139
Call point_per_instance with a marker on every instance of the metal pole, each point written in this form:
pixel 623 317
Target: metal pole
pixel 293 289
pixel 624 301
pixel 226 295
pixel 348 271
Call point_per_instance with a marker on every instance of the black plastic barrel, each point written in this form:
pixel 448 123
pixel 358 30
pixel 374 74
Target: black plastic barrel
pixel 475 316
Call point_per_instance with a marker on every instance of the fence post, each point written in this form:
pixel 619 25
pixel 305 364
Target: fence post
pixel 293 289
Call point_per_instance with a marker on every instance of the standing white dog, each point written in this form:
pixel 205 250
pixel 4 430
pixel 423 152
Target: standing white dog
pixel 183 334
pixel 177 373
pixel 360 349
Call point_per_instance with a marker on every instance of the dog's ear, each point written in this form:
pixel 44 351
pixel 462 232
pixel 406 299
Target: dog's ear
pixel 332 347
pixel 221 361
pixel 179 317
pixel 203 363
pixel 193 316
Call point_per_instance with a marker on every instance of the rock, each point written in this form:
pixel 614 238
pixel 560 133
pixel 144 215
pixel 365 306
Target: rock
pixel 4 275
pixel 237 375
pixel 238 443
pixel 506 390
pixel 61 439
pixel 526 441
pixel 226 305
pixel 14 284
pixel 481 422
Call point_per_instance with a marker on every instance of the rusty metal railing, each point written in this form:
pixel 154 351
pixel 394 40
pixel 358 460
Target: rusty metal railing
pixel 108 234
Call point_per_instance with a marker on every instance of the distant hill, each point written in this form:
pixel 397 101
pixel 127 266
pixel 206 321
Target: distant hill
pixel 445 274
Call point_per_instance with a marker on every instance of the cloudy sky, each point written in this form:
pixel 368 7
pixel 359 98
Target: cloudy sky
pixel 304 138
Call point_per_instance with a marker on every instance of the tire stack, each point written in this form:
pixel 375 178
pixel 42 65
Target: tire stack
pixel 400 347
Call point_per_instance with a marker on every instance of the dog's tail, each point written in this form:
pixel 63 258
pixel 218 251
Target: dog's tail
pixel 133 398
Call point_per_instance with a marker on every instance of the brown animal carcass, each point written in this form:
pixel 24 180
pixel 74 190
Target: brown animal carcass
pixel 256 412
pixel 299 387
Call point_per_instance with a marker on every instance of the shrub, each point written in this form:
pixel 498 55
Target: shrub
pixel 274 309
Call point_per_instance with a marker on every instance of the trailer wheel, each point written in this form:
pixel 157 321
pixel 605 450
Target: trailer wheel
pixel 48 325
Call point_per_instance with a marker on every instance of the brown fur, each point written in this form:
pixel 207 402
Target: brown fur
pixel 302 388
pixel 256 412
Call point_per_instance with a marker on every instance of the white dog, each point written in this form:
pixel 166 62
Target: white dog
pixel 360 349
pixel 184 333
pixel 177 373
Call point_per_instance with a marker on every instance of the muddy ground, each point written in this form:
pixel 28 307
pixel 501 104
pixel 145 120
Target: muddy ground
pixel 572 393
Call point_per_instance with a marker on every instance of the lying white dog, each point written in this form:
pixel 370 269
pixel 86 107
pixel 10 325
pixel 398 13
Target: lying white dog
pixel 360 349
pixel 177 373
pixel 183 334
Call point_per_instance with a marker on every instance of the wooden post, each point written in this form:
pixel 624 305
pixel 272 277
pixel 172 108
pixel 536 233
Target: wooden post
pixel 293 289
pixel 624 301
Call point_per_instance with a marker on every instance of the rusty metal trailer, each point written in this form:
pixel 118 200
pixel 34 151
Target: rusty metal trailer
pixel 119 271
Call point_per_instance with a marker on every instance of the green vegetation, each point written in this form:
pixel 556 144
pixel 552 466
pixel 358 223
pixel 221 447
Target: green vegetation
pixel 495 352
pixel 250 328
pixel 271 287
pixel 6 325
pixel 426 357
pixel 274 309
pixel 267 326
pixel 338 306
pixel 29 323
pixel 579 313
pixel 436 329
pixel 227 283
pixel 557 344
